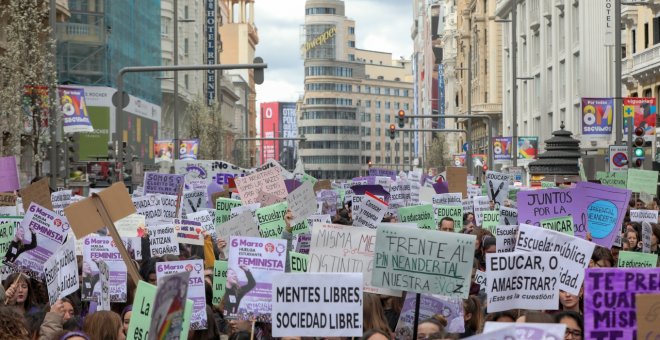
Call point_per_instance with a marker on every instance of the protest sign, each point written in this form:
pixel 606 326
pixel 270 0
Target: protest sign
pixel 298 262
pixel 271 220
pixel 563 224
pixel 423 261
pixel 457 180
pixel 526 330
pixel 613 179
pixel 647 234
pixel 189 232
pixel 38 237
pixel 426 195
pixel 508 216
pixel 455 212
pixel 323 184
pixel 536 205
pixel 301 242
pixel 473 190
pixel 302 202
pixel 481 204
pixel 453 198
pixel 372 211
pixel 508 332
pixel 648 317
pixel 61 272
pixel 9 211
pixel 505 238
pixel 632 259
pixel 156 208
pixel 196 291
pixel 574 253
pixel 103 298
pixel 211 171
pixel 167 317
pixel 609 300
pixel 468 205
pixel 37 192
pixel 546 185
pixel 491 219
pixel 498 186
pixel 163 240
pixel 328 201
pixel 241 225
pixel 338 248
pixel 422 215
pixel 650 216
pixel 166 184
pixel 131 225
pixel 522 280
pixel 429 305
pixel 9 174
pixel 480 278
pixel 603 208
pixel 382 172
pixel 253 262
pixel 60 200
pixel 219 280
pixel 400 191
pixel 642 181
pixel 255 187
pixel 95 250
pixel 7 199
pixel 8 227
pixel 206 219
pixel 193 201
pixel 143 310
pixel 223 208
pixel 337 300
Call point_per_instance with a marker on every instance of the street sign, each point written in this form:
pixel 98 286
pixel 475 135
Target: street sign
pixel 618 158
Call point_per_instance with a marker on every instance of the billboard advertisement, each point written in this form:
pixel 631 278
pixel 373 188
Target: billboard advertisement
pixel 643 112
pixel 289 129
pixel 528 147
pixel 502 148
pixel 188 149
pixel 597 116
pixel 164 149
pixel 270 128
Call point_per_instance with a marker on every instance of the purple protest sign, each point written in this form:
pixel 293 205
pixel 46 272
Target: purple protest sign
pixel 376 190
pixel 602 209
pixel 383 172
pixel 370 180
pixel 609 300
pixel 8 174
pixel 166 184
pixel 537 205
pixel 441 188
pixel 291 184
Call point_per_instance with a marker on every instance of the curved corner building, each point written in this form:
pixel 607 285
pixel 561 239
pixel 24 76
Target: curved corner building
pixel 351 97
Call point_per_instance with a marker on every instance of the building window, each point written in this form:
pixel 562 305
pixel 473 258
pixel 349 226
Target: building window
pixel 319 10
pixel 351 30
pixel 351 43
pixel 351 57
pixel 377 117
pixel 634 41
pixel 646 35
pixel 378 104
pixel 378 132
pixel 387 118
pixel 377 146
pixel 406 106
pixel 186 46
pixel 656 30
pixel 186 81
pixel 367 103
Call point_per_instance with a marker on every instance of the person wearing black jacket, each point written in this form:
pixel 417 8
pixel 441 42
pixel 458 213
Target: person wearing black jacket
pixel 234 291
pixel 17 247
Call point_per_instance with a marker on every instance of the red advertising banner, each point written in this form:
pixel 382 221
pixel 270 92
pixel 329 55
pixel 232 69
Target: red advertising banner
pixel 270 128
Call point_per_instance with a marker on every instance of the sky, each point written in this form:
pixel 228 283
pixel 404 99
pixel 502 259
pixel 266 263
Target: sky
pixel 381 25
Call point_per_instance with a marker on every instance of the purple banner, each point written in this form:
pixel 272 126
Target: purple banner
pixel 441 188
pixel 383 172
pixel 537 205
pixel 8 174
pixel 609 300
pixel 602 209
pixel 291 184
pixel 376 190
pixel 370 180
pixel 166 184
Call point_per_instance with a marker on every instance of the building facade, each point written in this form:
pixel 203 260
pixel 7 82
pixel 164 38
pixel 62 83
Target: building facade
pixel 351 97
pixel 563 55
pixel 479 50
pixel 641 55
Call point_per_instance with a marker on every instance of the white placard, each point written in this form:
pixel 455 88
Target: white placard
pixel 481 204
pixel 162 240
pixel 650 216
pixel 302 202
pixel 372 211
pixel 505 238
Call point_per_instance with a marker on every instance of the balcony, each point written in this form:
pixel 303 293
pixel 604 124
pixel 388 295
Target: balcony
pixel 642 65
pixel 80 33
pixel 629 15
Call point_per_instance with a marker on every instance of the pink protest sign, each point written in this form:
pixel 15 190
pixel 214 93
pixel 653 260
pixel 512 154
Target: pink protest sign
pixel 8 174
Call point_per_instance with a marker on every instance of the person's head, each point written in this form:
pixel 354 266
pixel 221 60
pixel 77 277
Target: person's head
pixel 232 278
pixel 488 246
pixel 23 296
pixel 126 317
pixel 375 334
pixel 601 257
pixel 33 322
pixel 237 326
pixel 573 322
pixel 373 313
pixel 468 217
pixel 68 309
pixel 569 301
pixel 431 328
pixel 633 238
pixel 12 323
pixel 148 270
pixel 446 224
pixel 625 245
pixel 615 255
pixel 104 325
pixel 639 204
pixel 655 234
pixel 472 313
pixel 70 335
pixel 20 233
pixel 535 317
pixel 504 316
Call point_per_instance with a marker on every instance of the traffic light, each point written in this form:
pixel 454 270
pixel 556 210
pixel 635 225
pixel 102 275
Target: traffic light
pixel 73 146
pixel 638 152
pixel 258 72
pixel 402 118
pixel 369 164
pixel 112 152
pixel 392 131
pixel 61 160
pixel 485 168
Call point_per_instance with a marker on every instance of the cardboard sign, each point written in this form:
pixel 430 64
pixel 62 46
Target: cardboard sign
pixel 334 314
pixel 498 186
pixel 196 291
pixel 468 205
pixel 189 232
pixel 490 220
pixel 61 272
pixel 260 186
pixel 323 184
pixel 648 318
pixel 603 208
pixel 163 240
pixel 650 216
pixel 338 248
pixel 632 259
pixel 562 224
pixel 423 261
pixel 372 211
pixel 508 216
pixel 422 215
pixel 647 233
pixel 241 225
pixel 457 180
pixel 400 192
pixel 643 181
pixel 167 317
pixel 193 201
pixel 7 200
pixel 223 208
pixel 327 199
pixel 166 184
pixel 37 192
pixel 617 286
pixel 505 238
pixel 429 305
pixel 522 280
pixel 254 262
pixel 302 202
pixel 219 280
pixel 574 253
pixel 9 180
